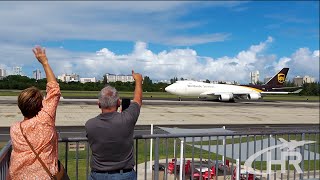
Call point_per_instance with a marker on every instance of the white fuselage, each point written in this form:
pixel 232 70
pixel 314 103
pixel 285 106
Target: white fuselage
pixel 200 89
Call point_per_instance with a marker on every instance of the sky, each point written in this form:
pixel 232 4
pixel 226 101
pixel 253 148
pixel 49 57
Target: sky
pixel 221 41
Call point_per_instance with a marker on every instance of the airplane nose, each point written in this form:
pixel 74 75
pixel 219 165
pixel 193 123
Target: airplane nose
pixel 170 89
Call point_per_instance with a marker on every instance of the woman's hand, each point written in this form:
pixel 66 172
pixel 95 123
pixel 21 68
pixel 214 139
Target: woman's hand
pixel 40 54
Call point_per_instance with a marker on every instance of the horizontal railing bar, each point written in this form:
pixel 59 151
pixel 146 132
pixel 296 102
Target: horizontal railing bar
pixel 148 136
pixel 178 135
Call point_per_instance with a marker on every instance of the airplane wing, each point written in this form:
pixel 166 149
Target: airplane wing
pixel 225 95
pixel 208 93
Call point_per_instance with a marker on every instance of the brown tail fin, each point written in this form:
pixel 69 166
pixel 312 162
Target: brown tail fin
pixel 278 79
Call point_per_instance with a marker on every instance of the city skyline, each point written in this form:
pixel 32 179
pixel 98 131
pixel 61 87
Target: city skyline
pixel 65 77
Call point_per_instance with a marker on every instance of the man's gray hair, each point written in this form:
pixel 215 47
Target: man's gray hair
pixel 108 97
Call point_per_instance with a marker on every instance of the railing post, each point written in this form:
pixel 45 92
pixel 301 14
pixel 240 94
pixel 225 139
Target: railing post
pixel 137 147
pixel 223 143
pixel 238 169
pixel 66 156
pixel 302 153
pixel 181 160
pixel 77 160
pixel 156 160
pixel 151 145
pixel 174 147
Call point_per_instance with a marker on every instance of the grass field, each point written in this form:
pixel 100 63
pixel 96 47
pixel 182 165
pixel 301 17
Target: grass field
pixel 158 95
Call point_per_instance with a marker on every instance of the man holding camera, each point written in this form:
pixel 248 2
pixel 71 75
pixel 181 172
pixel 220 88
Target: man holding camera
pixel 110 135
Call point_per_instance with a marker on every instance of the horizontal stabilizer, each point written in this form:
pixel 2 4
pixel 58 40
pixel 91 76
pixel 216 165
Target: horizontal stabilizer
pixel 280 88
pixel 267 92
pixel 279 92
pixel 296 92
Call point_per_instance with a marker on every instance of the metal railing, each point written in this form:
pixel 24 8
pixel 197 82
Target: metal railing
pixel 4 160
pixel 188 156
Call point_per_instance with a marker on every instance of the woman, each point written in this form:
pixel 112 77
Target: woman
pixel 37 127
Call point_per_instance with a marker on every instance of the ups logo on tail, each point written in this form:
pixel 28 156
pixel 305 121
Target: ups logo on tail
pixel 281 78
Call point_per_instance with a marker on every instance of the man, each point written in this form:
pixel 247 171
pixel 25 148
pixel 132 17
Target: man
pixel 110 135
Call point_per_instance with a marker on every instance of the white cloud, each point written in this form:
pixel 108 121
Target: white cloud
pixel 186 63
pixel 306 61
pixel 302 62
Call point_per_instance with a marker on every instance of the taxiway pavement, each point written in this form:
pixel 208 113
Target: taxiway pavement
pixel 75 112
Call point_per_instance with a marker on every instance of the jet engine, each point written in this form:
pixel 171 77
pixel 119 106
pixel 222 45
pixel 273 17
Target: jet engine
pixel 254 96
pixel 225 97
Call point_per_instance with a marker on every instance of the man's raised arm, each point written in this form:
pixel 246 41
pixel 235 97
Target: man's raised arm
pixel 137 97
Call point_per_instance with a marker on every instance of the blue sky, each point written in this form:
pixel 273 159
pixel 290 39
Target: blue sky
pixel 197 40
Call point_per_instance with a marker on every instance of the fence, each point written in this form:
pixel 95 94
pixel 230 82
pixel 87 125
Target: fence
pixel 205 156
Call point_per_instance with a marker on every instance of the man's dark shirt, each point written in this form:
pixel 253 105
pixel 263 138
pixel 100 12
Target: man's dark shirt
pixel 110 136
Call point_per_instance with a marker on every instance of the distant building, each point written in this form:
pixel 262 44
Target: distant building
pixel 69 77
pixel 3 72
pixel 17 70
pixel 308 79
pixel 121 77
pixel 224 82
pixel 162 81
pixel 37 74
pixel 85 80
pixel 299 81
pixel 254 77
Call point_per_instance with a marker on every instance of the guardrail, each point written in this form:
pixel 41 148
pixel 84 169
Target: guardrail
pixel 205 155
pixel 4 160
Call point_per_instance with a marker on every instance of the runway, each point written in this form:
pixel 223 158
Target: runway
pixel 192 112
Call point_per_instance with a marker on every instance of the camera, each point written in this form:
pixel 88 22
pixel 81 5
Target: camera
pixel 125 103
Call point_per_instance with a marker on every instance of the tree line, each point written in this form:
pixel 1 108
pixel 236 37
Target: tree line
pixel 23 82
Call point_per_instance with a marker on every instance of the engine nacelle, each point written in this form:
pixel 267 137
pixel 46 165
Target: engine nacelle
pixel 254 96
pixel 225 97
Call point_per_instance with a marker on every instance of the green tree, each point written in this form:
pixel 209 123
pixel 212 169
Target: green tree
pixel 310 89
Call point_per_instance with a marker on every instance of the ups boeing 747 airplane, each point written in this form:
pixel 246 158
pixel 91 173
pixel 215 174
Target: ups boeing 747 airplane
pixel 226 92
